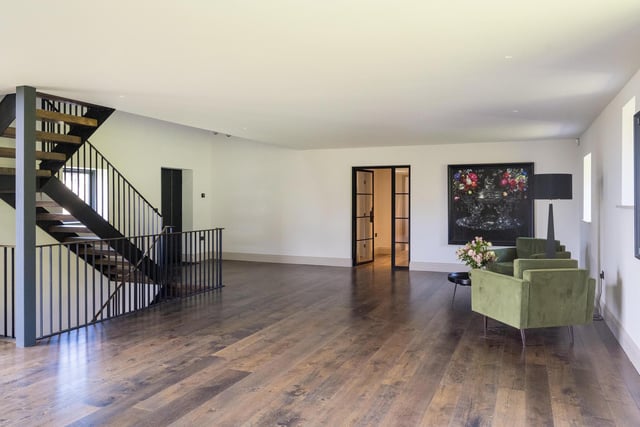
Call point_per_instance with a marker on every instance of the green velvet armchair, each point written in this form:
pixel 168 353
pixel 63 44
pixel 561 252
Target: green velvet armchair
pixel 526 247
pixel 542 293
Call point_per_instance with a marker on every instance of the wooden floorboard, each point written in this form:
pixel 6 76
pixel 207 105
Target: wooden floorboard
pixel 286 345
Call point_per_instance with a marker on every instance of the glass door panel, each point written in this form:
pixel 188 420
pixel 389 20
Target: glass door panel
pixel 402 205
pixel 364 204
pixel 402 230
pixel 401 214
pixel 363 217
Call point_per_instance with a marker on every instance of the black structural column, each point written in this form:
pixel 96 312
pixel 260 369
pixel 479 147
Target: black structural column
pixel 25 216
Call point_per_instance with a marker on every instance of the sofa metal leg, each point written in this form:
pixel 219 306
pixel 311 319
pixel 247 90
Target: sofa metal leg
pixel 571 334
pixel 524 339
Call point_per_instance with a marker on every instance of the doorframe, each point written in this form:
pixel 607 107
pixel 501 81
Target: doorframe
pixel 393 213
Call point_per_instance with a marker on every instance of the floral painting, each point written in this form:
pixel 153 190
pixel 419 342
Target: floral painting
pixel 490 200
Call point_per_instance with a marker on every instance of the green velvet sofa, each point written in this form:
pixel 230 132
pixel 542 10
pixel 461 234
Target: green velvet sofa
pixel 526 247
pixel 541 293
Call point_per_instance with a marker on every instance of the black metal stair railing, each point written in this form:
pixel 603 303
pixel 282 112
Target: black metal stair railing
pixel 82 283
pixel 94 179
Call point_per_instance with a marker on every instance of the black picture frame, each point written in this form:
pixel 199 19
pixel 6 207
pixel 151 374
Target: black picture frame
pixel 636 177
pixel 492 200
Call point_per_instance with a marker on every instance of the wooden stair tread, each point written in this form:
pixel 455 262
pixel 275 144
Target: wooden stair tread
pixel 10 132
pixel 47 204
pixel 133 279
pixel 12 171
pixel 54 116
pixel 99 251
pixel 10 153
pixel 112 261
pixel 81 239
pixel 54 217
pixel 69 228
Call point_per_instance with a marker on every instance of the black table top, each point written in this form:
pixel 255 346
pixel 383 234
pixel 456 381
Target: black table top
pixel 460 278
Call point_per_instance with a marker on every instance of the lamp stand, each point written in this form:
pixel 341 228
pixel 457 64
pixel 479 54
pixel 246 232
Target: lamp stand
pixel 550 247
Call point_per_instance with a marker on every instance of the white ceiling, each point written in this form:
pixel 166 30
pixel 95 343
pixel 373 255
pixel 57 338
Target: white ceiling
pixel 333 73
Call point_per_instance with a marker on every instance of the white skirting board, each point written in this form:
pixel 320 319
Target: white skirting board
pixel 334 262
pixel 626 342
pixel 287 259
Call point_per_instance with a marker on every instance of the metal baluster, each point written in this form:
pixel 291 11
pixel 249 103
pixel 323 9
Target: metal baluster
pixel 59 288
pixel 77 285
pixel 41 293
pixel 5 301
pixel 86 284
pixel 68 288
pixel 51 289
pixel 209 259
pixel 13 292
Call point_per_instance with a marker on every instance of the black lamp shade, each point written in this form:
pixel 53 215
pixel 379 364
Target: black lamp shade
pixel 552 186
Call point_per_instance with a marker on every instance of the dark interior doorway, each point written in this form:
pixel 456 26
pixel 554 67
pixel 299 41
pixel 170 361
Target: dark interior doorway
pixel 171 207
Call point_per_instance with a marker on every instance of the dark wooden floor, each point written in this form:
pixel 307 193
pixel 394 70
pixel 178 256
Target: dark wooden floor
pixel 286 345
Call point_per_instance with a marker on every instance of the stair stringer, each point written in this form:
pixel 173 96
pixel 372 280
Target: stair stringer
pixel 101 114
pixel 7 111
pixel 62 195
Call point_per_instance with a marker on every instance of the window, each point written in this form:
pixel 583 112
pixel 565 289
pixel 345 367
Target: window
pixel 88 185
pixel 586 188
pixel 636 177
pixel 626 167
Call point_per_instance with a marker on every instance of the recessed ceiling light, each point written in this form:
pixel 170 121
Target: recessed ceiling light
pixel 515 111
pixel 508 57
pixel 121 96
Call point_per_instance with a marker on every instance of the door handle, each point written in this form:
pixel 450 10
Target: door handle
pixel 371 216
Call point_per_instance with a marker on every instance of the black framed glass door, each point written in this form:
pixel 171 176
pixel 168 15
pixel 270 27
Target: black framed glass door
pixel 366 229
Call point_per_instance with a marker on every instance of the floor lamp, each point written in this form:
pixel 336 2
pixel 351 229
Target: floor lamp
pixel 551 186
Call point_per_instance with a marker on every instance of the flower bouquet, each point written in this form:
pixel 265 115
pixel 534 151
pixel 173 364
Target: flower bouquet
pixel 477 253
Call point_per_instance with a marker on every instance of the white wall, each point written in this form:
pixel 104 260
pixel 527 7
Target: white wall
pixel 141 147
pixel 281 205
pixel 607 242
pixel 316 206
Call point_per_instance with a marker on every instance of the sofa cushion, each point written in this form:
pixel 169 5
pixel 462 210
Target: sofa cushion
pixel 522 265
pixel 527 246
pixel 561 254
pixel 502 267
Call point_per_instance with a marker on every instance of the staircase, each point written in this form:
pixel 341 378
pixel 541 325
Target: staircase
pixel 81 197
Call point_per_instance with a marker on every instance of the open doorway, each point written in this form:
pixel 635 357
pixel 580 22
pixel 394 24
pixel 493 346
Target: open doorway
pixel 381 216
